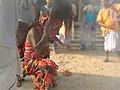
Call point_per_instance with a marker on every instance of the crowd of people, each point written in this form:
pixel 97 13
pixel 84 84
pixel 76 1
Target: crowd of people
pixel 28 26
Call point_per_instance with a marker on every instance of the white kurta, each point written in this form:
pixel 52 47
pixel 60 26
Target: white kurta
pixel 7 68
pixel 8 27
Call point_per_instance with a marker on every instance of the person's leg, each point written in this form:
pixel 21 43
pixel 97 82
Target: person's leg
pixel 93 37
pixel 107 56
pixel 55 47
pixel 67 42
pixel 107 46
pixel 18 81
pixel 84 37
pixel 82 46
pixel 118 54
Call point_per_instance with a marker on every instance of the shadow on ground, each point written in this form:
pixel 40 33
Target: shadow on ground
pixel 79 81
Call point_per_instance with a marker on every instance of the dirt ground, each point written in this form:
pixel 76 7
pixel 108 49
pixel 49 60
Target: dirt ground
pixel 89 72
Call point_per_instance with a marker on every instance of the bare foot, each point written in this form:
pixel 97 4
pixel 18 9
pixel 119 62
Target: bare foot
pixel 35 88
pixel 54 85
pixel 106 60
pixel 19 82
pixel 66 73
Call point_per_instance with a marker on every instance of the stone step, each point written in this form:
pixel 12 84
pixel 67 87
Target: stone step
pixel 80 35
pixel 75 43
pixel 77 46
pixel 75 40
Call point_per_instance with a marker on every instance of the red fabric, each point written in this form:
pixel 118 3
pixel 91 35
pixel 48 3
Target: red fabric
pixel 40 75
pixel 48 78
pixel 21 49
pixel 35 55
pixel 36 83
pixel 28 50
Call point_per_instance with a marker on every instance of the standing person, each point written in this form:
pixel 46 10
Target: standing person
pixel 110 31
pixel 66 38
pixel 27 16
pixel 43 15
pixel 70 35
pixel 8 48
pixel 74 13
pixel 43 18
pixel 88 36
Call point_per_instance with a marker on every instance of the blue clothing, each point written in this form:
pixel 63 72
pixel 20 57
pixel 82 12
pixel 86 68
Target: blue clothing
pixel 90 16
pixel 88 36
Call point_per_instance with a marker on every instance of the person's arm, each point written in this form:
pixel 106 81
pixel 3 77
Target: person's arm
pixel 33 37
pixel 74 9
pixel 84 9
pixel 95 9
pixel 34 14
pixel 34 9
pixel 100 20
pixel 38 41
pixel 105 26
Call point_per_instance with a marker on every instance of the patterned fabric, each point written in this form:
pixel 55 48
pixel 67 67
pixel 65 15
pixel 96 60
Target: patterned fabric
pixel 30 52
pixel 43 71
pixel 115 16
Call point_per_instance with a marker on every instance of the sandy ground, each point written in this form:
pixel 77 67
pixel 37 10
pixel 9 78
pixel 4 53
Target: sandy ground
pixel 89 72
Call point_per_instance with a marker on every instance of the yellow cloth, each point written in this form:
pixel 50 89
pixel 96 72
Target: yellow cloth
pixel 104 17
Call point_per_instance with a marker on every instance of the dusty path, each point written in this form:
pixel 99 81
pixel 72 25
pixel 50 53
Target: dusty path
pixel 89 72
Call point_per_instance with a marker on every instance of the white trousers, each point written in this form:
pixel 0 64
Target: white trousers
pixel 112 42
pixel 8 68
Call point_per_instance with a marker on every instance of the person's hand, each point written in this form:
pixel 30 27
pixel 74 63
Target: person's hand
pixel 111 27
pixel 32 24
pixel 116 28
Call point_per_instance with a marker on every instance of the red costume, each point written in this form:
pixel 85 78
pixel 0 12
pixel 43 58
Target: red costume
pixel 42 69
